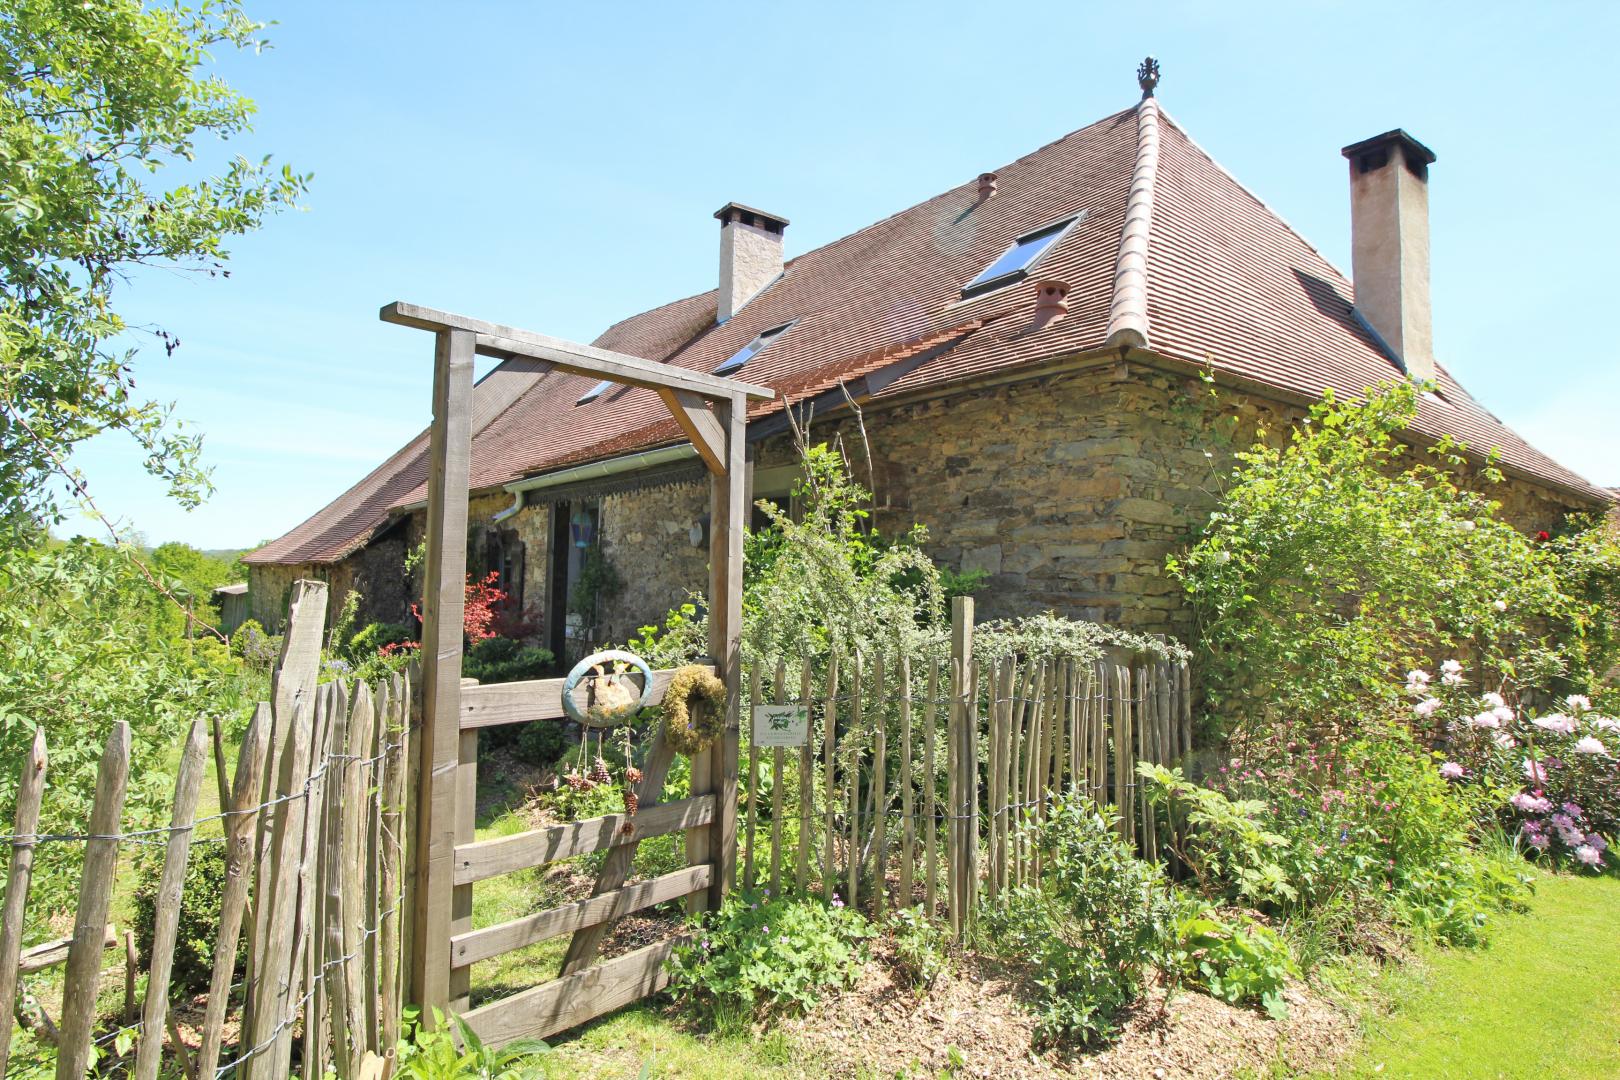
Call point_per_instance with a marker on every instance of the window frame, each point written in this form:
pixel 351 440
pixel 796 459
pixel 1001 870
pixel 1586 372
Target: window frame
pixel 759 343
pixel 1058 229
pixel 594 392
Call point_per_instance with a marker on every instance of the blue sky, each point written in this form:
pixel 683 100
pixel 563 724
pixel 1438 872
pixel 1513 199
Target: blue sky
pixel 556 166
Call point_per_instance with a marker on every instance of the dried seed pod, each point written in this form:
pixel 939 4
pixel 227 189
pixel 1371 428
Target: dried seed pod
pixel 632 801
pixel 632 774
pixel 599 772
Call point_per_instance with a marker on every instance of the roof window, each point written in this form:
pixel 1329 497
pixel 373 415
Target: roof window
pixel 1015 263
pixel 594 392
pixel 752 349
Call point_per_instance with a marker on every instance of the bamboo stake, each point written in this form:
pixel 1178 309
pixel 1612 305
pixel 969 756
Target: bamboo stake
pixel 25 823
pixel 171 884
pixel 807 784
pixel 908 837
pixel 240 830
pixel 90 917
pixel 829 770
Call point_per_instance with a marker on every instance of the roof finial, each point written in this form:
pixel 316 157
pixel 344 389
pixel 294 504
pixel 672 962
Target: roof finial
pixel 1147 76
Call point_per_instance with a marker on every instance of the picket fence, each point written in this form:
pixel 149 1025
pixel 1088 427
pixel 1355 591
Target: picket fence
pixel 313 825
pixel 926 778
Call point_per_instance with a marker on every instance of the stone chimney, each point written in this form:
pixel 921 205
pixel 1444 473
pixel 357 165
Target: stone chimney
pixel 750 255
pixel 1389 233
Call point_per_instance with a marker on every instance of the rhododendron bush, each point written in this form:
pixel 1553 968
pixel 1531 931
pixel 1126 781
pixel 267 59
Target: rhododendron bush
pixel 1553 777
pixel 1334 564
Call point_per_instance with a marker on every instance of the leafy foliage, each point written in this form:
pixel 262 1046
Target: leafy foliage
pixel 1331 565
pixel 88 643
pixel 1089 929
pixel 98 99
pixel 453 1051
pixel 1237 960
pixel 199 915
pixel 759 955
pixel 921 947
pixel 498 660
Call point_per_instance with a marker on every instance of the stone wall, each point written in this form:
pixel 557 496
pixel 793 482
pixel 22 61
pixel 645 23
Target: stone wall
pixel 1068 491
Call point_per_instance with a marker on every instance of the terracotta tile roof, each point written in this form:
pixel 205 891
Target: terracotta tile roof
pixel 1227 281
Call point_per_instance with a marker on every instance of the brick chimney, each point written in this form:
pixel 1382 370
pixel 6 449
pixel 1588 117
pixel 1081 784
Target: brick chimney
pixel 1389 235
pixel 750 255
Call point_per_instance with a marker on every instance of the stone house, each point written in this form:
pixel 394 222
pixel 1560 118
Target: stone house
pixel 1031 353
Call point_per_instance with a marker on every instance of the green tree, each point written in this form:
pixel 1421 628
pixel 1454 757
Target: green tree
pixel 99 102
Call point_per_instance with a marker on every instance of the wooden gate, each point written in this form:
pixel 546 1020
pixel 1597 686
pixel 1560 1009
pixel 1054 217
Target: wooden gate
pixel 712 413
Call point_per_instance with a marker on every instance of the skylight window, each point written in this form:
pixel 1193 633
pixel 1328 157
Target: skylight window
pixel 1014 263
pixel 594 392
pixel 751 350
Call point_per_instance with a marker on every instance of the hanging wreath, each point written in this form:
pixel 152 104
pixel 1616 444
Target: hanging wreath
pixel 694 709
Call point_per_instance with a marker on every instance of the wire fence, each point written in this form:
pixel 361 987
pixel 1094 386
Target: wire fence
pixel 314 833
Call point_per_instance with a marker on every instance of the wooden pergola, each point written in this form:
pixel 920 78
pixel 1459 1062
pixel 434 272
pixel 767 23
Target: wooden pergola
pixel 712 411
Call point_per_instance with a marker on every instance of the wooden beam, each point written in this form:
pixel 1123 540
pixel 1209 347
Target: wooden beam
pixel 700 424
pixel 504 854
pixel 728 491
pixel 532 699
pixel 573 999
pixel 494 339
pixel 443 600
pixel 492 941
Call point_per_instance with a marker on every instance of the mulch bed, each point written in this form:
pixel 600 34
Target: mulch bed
pixel 882 1027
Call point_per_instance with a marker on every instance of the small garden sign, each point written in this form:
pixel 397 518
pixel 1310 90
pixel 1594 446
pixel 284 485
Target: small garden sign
pixel 781 725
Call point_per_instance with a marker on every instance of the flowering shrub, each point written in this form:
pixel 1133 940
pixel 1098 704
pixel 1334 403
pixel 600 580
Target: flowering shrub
pixel 1554 778
pixel 1331 564
pixel 1371 830
pixel 760 955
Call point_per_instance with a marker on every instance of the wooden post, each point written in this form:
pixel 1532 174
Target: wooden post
pixel 776 790
pixel 728 517
pixel 829 749
pixel 751 818
pixel 171 883
pixel 852 857
pixel 880 791
pixel 30 792
pixel 962 665
pixel 807 784
pixel 90 917
pixel 240 829
pixel 908 835
pixel 393 823
pixel 443 605
pixel 930 791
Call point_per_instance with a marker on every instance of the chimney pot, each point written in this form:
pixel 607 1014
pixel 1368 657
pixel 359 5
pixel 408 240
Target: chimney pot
pixel 1389 226
pixel 1051 301
pixel 987 185
pixel 750 255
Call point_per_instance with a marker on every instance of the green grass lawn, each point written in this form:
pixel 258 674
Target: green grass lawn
pixel 1542 1000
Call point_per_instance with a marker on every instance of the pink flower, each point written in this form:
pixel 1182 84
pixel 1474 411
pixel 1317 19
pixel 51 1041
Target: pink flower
pixel 1417 681
pixel 1535 772
pixel 1451 673
pixel 1503 714
pixel 1485 720
pixel 1500 605
pixel 1531 804
pixel 1427 707
pixel 1492 698
pixel 1556 722
pixel 1589 855
pixel 1586 744
pixel 1606 723
pixel 1578 703
pixel 1504 740
pixel 1451 771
